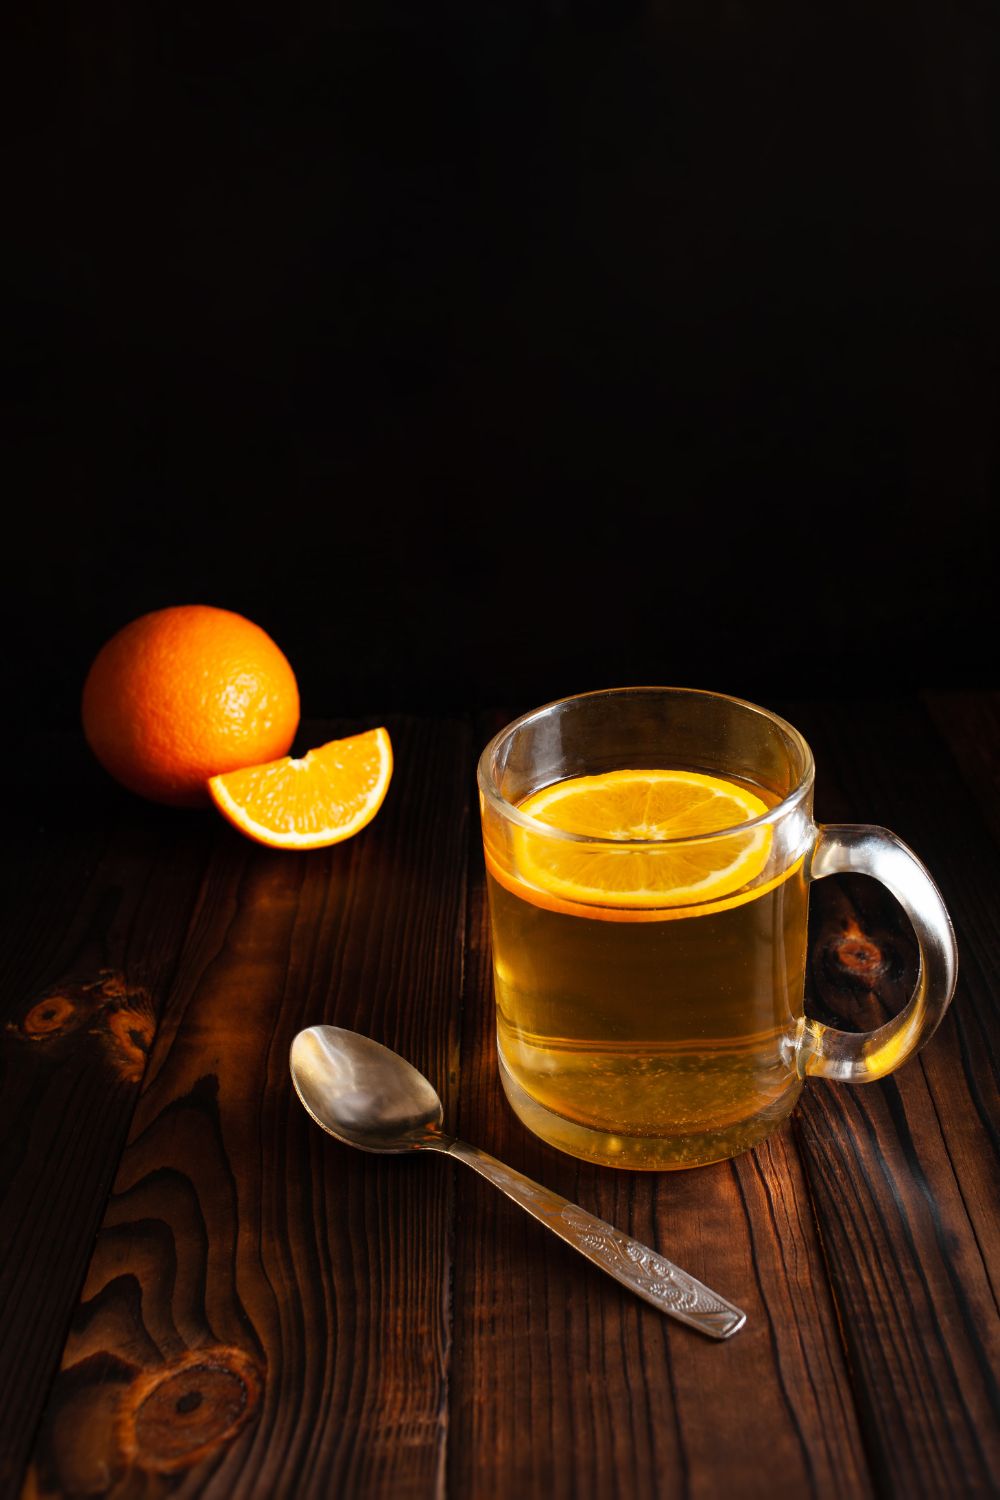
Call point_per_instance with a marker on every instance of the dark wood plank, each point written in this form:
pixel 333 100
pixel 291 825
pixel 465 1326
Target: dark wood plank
pixel 563 1384
pixel 969 723
pixel 904 1173
pixel 98 893
pixel 265 1312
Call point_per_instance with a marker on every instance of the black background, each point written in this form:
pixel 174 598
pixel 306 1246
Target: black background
pixel 486 352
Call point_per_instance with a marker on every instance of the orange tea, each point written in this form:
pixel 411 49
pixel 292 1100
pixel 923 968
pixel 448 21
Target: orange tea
pixel 684 1024
pixel 656 1033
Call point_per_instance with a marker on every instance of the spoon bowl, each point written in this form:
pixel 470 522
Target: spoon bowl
pixel 362 1093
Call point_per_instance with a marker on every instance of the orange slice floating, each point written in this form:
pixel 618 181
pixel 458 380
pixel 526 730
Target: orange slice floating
pixel 653 807
pixel 328 795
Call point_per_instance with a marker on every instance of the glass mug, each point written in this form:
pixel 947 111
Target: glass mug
pixel 672 1035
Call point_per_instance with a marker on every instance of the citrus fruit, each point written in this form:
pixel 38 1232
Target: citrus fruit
pixel 184 693
pixel 655 808
pixel 328 795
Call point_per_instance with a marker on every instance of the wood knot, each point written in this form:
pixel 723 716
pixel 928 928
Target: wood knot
pixel 50 1016
pixel 853 955
pixel 128 1036
pixel 861 958
pixel 176 1416
pixel 120 1016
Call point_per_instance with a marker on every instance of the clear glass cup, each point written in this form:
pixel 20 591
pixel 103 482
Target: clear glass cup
pixel 672 1035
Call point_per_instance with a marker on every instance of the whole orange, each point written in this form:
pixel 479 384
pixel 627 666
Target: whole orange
pixel 186 693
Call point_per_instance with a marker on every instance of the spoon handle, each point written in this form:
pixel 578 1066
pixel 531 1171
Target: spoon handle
pixel 642 1270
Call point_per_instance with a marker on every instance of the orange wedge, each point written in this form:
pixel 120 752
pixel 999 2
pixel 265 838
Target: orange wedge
pixel 328 795
pixel 652 808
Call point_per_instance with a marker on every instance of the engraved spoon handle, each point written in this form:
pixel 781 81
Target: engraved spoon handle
pixel 642 1270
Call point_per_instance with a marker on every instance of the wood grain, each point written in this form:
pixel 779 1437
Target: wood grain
pixel 98 893
pixel 265 1312
pixel 904 1173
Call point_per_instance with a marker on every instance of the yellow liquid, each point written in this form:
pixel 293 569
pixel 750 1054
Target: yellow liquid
pixel 652 1043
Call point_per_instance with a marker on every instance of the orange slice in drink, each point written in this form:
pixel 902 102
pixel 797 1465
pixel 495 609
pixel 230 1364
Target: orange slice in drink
pixel 645 812
pixel 328 795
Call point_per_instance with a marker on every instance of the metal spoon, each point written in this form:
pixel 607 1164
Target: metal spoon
pixel 364 1095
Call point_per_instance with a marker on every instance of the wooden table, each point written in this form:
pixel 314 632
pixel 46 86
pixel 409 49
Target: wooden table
pixel 202 1294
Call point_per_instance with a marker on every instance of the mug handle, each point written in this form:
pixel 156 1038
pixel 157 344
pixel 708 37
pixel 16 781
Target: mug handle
pixel 861 1057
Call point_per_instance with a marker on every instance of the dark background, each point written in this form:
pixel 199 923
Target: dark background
pixel 489 352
